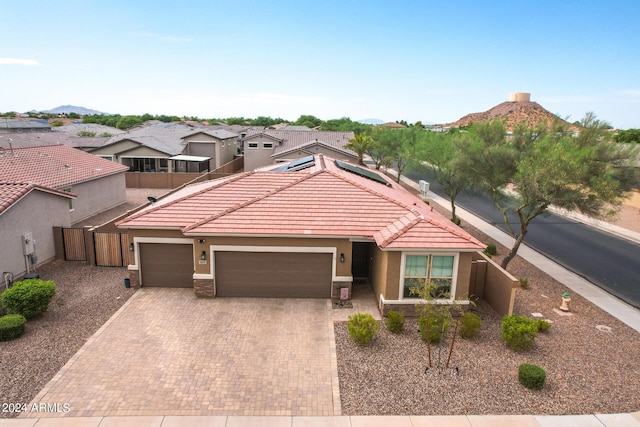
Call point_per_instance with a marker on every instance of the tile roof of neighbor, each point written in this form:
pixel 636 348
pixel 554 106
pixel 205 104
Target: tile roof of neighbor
pixel 35 139
pixel 12 192
pixel 54 166
pixel 214 132
pixel 294 140
pixel 163 137
pixel 320 201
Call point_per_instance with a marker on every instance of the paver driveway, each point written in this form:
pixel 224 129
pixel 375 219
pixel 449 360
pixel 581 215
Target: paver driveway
pixel 167 352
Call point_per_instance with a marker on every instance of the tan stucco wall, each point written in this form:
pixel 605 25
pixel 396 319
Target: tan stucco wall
pixel 464 275
pixel 114 149
pixel 144 152
pixel 385 273
pixel 36 213
pixel 258 157
pixel 98 195
pixel 221 151
pixel 341 245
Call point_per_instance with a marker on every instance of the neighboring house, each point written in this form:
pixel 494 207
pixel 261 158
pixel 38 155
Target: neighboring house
pixel 171 147
pixel 27 214
pixel 33 139
pixel 98 183
pixel 308 228
pixel 23 125
pixel 266 147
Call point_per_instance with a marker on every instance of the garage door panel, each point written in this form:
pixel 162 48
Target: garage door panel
pixel 273 274
pixel 166 265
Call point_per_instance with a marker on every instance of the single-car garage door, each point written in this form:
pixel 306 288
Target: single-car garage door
pixel 167 265
pixel 273 274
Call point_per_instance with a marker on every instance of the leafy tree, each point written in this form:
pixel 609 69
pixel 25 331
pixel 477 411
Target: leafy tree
pixel 236 121
pixel 360 144
pixel 403 148
pixel 380 149
pixel 308 121
pixel 266 121
pixel 146 117
pixel 544 168
pixel 442 152
pixel 127 122
pixel 345 124
pixel 628 136
pixel 73 115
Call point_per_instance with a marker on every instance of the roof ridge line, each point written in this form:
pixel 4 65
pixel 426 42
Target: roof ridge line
pixel 451 230
pixel 249 202
pixel 204 190
pixel 418 217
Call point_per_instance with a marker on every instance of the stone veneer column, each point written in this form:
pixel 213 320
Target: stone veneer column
pixel 204 288
pixel 133 278
pixel 335 289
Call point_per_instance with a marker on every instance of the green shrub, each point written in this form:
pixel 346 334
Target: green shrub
pixel 438 325
pixel 105 135
pixel 362 327
pixel 395 321
pixel 524 283
pixel 531 376
pixel 29 297
pixel 86 133
pixel 519 332
pixel 456 220
pixel 470 325
pixel 491 249
pixel 57 123
pixel 11 326
pixel 543 325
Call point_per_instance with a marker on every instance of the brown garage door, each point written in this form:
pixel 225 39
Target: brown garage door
pixel 167 265
pixel 273 274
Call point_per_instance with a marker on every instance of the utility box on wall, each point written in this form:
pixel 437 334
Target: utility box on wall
pixel 28 244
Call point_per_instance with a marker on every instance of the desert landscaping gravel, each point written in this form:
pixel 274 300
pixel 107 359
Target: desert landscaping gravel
pixel 588 370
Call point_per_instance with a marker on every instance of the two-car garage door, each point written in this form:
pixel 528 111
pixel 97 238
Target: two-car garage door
pixel 273 274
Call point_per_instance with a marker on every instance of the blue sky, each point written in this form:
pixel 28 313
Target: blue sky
pixel 411 60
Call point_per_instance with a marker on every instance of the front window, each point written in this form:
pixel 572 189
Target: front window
pixel 253 145
pixel 421 269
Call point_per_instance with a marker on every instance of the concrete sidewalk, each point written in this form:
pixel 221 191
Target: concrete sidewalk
pixel 600 420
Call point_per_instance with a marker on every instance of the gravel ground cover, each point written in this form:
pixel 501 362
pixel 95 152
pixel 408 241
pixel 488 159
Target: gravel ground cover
pixel 588 370
pixel 86 297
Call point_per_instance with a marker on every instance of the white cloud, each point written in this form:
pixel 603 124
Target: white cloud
pixel 168 38
pixel 18 61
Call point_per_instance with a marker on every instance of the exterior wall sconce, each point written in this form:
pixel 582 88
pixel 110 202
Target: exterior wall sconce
pixel 131 247
pixel 341 257
pixel 203 256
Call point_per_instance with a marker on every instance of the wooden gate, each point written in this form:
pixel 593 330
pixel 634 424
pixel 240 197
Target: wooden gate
pixel 111 249
pixel 73 243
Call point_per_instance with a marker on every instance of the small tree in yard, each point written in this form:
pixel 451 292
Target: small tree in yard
pixel 360 144
pixel 541 167
pixel 435 319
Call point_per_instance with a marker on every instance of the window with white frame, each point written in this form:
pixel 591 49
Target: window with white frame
pixel 253 145
pixel 267 145
pixel 436 269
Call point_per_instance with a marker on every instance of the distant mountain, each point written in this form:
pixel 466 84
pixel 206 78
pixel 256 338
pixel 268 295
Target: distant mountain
pixel 66 109
pixel 371 121
pixel 512 112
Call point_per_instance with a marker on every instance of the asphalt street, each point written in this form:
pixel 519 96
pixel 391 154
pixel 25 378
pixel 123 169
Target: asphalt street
pixel 608 261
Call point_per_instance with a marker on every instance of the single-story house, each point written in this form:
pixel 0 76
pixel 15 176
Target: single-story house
pixel 307 228
pixel 171 147
pixel 27 214
pixel 266 147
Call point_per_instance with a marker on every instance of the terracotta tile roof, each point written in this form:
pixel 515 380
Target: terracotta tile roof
pixel 320 201
pixel 12 192
pixel 54 166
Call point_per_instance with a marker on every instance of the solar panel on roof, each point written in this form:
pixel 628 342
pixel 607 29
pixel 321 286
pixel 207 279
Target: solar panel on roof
pixel 300 162
pixel 361 172
pixel 297 165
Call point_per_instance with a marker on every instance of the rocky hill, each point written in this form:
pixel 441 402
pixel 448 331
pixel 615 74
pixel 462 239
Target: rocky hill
pixel 512 112
pixel 66 109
